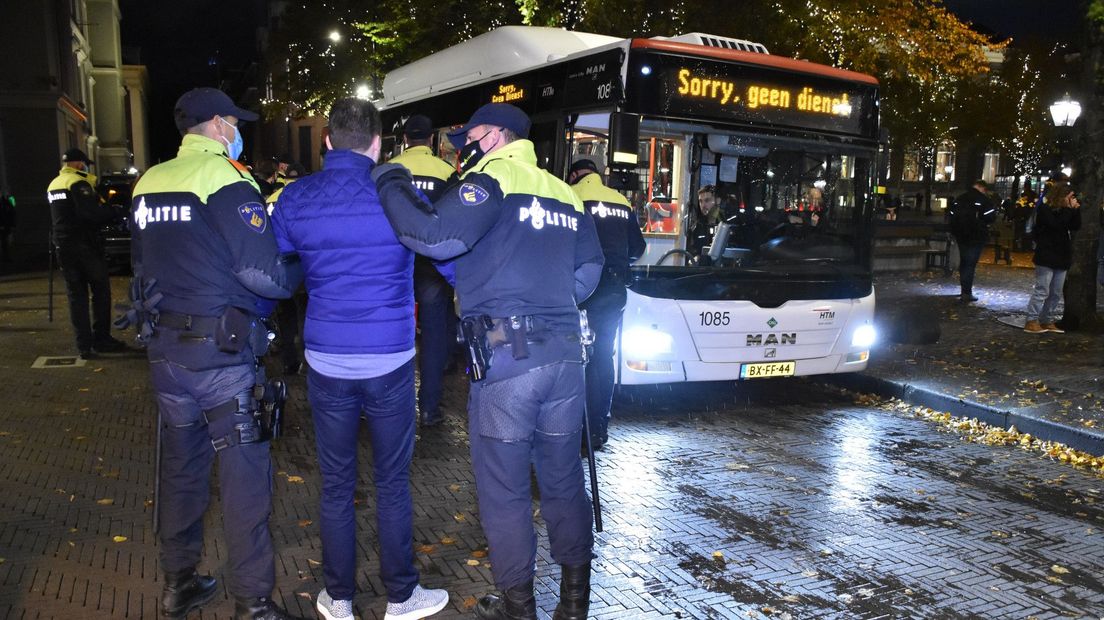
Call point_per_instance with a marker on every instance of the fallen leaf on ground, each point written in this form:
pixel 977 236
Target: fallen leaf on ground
pixel 295 479
pixel 426 548
pixel 1061 570
pixel 107 501
pixel 119 538
pixel 305 522
pixel 447 541
pixel 473 562
pixel 469 602
pixel 479 553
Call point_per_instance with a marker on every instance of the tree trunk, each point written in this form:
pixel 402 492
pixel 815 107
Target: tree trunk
pixel 1088 182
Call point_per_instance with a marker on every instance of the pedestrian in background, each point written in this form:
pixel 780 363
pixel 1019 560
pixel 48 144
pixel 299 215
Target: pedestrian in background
pixel 1056 219
pixel 436 319
pixel 77 214
pixel 359 347
pixel 202 245
pixel 527 254
pixel 622 244
pixel 969 217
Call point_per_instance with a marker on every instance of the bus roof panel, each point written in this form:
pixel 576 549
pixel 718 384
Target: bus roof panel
pixel 502 51
pixel 753 58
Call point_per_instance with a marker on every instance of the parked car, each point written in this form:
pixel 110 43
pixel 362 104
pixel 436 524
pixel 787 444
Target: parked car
pixel 115 190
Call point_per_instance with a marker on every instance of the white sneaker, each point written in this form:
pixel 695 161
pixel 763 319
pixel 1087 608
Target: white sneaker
pixel 333 609
pixel 422 603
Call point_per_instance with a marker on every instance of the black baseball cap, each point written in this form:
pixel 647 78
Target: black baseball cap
pixel 585 162
pixel 199 105
pixel 75 155
pixel 497 115
pixel 418 127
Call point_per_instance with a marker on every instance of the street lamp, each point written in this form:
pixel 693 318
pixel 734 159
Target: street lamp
pixel 1065 111
pixel 335 36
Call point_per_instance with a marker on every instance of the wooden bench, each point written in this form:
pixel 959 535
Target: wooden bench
pixel 902 246
pixel 938 254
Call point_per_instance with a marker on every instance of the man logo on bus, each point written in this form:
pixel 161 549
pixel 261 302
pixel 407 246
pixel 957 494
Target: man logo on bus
pixel 757 340
pixel 471 194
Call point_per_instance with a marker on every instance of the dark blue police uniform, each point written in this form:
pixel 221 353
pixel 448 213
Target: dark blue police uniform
pixel 204 259
pixel 526 253
pixel 622 243
pixel 432 290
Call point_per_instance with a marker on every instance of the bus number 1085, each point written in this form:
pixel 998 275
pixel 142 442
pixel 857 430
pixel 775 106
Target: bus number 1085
pixel 714 319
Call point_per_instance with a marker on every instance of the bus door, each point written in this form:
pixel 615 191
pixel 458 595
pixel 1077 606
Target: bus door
pixel 659 192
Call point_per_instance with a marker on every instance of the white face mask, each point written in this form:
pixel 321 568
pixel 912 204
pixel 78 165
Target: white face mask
pixel 233 149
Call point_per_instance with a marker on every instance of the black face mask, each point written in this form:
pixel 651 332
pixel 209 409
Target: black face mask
pixel 472 153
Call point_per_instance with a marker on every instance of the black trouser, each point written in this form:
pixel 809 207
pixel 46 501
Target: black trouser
pixel 604 308
pixel 85 269
pixel 968 257
pixel 288 313
pixel 438 326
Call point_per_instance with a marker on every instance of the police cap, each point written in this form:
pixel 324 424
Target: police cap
pixel 418 127
pixel 496 115
pixel 75 155
pixel 200 105
pixel 585 162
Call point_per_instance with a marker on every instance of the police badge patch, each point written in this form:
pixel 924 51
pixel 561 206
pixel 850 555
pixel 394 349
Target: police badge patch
pixel 254 216
pixel 471 194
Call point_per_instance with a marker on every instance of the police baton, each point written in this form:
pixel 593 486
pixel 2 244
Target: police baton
pixel 586 338
pixel 157 476
pixel 50 286
pixel 593 471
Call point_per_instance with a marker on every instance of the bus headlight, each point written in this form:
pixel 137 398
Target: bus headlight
pixel 644 343
pixel 864 337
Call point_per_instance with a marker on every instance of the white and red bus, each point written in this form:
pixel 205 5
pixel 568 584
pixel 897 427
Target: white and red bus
pixel 782 283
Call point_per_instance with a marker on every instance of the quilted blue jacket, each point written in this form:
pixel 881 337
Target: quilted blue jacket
pixel 359 277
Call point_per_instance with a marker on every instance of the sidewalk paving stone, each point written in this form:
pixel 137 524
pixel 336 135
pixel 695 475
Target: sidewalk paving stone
pixel 1047 385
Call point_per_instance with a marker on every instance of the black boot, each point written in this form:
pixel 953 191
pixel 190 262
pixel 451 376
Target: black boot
pixel 574 593
pixel 517 603
pixel 184 591
pixel 260 609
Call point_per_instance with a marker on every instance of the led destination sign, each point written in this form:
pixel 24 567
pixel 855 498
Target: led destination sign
pixel 754 95
pixel 509 93
pixel 746 94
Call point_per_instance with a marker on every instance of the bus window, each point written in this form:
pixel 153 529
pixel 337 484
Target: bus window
pixel 445 149
pixel 657 197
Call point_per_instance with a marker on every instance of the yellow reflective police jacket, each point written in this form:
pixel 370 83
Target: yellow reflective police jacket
pixel 199 228
pixel 431 173
pixel 615 221
pixel 75 209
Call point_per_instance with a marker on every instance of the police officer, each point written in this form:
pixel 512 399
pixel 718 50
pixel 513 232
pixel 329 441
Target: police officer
pixel 969 217
pixel 622 243
pixel 283 166
pixel 78 213
pixel 527 254
pixel 432 292
pixel 204 260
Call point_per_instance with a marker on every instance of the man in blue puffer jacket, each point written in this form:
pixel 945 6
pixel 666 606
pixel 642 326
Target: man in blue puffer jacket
pixel 359 338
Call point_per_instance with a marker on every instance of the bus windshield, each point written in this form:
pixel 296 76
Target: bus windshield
pixel 742 202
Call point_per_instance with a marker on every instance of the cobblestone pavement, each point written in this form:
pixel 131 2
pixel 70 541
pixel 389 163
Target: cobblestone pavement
pixel 782 499
pixel 1049 384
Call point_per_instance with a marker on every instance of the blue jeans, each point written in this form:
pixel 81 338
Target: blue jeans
pixel 1046 294
pixel 388 404
pixel 968 257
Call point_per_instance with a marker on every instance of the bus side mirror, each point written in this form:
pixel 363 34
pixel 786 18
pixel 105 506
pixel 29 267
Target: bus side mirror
pixel 624 141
